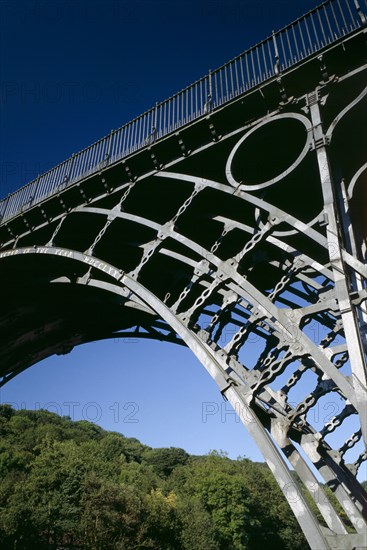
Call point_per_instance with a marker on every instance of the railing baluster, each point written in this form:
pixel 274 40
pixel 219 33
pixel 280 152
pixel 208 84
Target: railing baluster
pixel 112 146
pixel 49 187
pixel 176 111
pixel 247 72
pixel 253 67
pixel 308 35
pixel 328 22
pixel 321 26
pixel 354 22
pixel 73 166
pixel 193 101
pixel 143 130
pixel 299 56
pixel 87 161
pixel 63 173
pixel 116 148
pixel 83 164
pixel 189 104
pixel 315 32
pixel 79 165
pixel 109 145
pixel 265 63
pixel 4 206
pixel 43 184
pixel 221 87
pixel 258 66
pixel 214 89
pixel 9 208
pixel 170 115
pixel 242 75
pixel 100 152
pixel 45 190
pixel 95 161
pixel 15 200
pixel 231 80
pixel 150 123
pixel 126 140
pixel 201 97
pixel 237 82
pixel 184 107
pixel 164 118
pixel 135 134
pixel 41 187
pixel 335 19
pixel 300 53
pixel 92 159
pixel 116 145
pixel 342 14
pixel 105 149
pixel 123 142
pixel 131 137
pixel 290 54
pixel 226 83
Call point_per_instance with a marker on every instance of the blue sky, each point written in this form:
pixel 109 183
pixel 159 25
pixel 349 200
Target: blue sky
pixel 70 72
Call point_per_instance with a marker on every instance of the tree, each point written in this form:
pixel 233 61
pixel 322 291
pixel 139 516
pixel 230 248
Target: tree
pixel 164 461
pixel 221 491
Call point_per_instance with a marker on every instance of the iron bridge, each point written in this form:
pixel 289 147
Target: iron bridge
pixel 229 218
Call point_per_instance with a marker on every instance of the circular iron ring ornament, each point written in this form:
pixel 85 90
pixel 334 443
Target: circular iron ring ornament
pixel 305 121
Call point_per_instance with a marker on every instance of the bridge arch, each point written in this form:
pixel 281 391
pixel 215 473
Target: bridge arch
pixel 124 285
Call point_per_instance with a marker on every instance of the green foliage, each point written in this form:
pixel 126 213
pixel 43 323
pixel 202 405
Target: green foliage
pixel 74 486
pixel 164 461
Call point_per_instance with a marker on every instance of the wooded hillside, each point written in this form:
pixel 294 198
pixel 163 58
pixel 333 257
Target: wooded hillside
pixel 72 485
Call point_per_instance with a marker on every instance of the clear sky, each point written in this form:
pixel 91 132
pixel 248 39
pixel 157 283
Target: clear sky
pixel 70 72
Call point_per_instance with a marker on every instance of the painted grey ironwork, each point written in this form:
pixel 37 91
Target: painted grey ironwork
pixel 306 36
pixel 228 262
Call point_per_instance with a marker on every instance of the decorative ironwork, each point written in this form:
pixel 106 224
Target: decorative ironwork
pixel 249 249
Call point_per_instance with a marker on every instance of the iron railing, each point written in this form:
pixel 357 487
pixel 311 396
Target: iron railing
pixel 310 33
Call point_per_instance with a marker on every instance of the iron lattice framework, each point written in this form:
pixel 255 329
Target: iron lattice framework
pixel 241 235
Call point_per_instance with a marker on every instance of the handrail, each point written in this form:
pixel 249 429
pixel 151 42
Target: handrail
pixel 308 34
